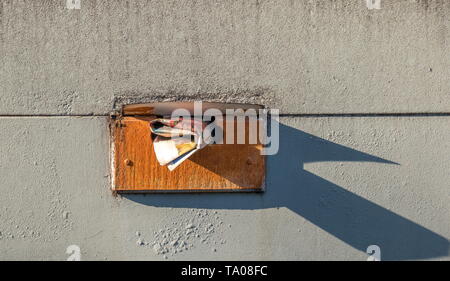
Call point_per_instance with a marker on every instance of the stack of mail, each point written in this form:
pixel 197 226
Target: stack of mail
pixel 176 140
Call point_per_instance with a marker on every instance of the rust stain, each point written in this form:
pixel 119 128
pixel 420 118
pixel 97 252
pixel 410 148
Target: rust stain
pixel 222 167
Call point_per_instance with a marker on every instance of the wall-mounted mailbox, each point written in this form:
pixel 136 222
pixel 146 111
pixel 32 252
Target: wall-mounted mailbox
pixel 216 167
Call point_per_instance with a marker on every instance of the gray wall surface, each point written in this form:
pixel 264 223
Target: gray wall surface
pixel 358 165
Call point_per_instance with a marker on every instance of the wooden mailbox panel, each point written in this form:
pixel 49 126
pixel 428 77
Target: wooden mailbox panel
pixel 217 167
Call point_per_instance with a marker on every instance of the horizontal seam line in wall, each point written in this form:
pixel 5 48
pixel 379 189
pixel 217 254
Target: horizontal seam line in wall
pixel 413 114
pixel 312 115
pixel 49 115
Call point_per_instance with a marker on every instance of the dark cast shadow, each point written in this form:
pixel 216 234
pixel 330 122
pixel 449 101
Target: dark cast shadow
pixel 345 215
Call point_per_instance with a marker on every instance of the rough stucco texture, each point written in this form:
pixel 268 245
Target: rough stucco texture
pixel 336 186
pixel 352 182
pixel 300 56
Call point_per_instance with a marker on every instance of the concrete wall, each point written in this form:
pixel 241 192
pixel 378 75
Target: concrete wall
pixel 357 164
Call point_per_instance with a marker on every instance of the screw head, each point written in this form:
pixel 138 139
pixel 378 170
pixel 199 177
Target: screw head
pixel 128 162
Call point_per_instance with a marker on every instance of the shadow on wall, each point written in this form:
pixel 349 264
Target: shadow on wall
pixel 349 217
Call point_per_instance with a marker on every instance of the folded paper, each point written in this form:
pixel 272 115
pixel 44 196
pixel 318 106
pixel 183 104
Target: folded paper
pixel 176 140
